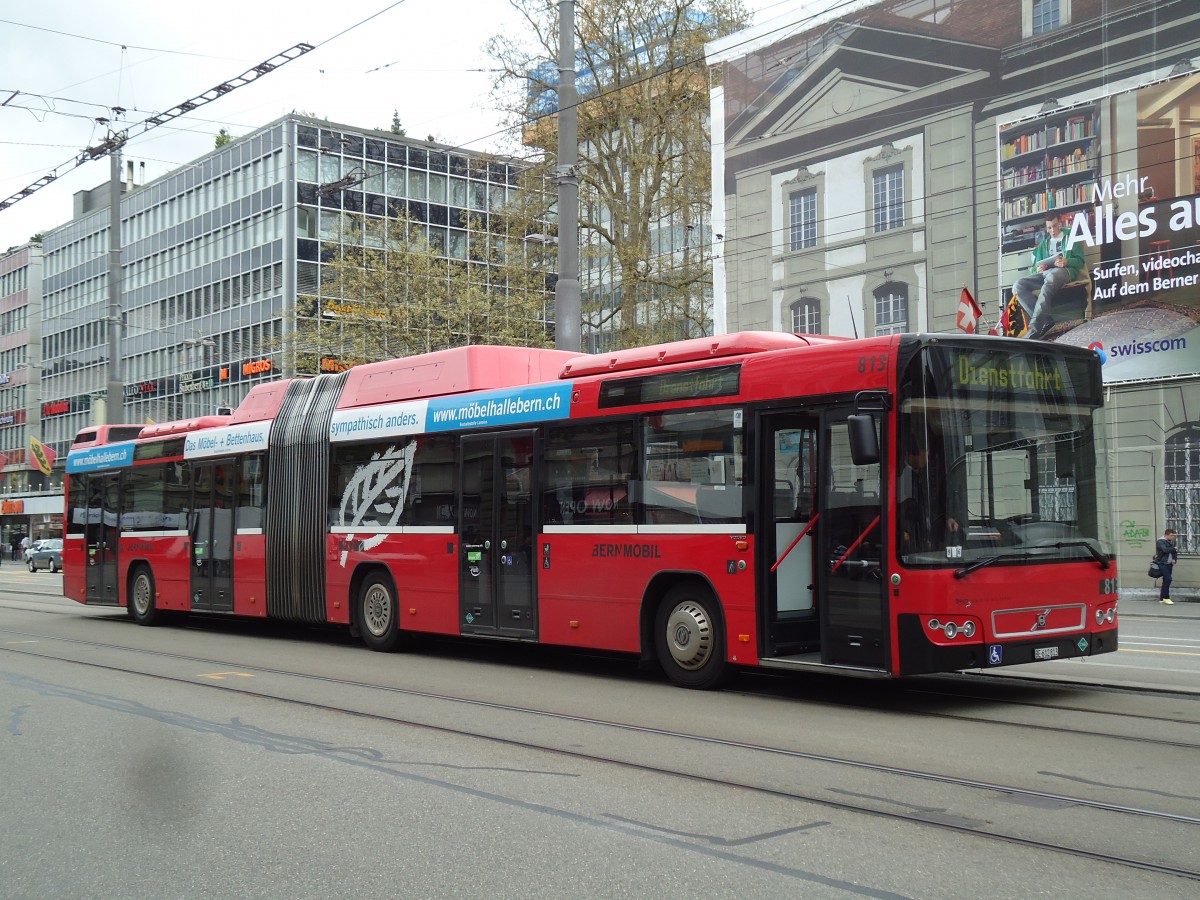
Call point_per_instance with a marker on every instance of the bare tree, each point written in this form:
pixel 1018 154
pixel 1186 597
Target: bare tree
pixel 644 182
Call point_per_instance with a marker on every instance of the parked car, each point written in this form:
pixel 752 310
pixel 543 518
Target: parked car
pixel 36 545
pixel 46 556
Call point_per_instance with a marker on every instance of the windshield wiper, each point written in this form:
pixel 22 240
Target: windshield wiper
pixel 983 563
pixel 1086 545
pixel 979 564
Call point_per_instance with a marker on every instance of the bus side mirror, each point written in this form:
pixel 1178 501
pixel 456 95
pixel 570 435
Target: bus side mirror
pixel 864 440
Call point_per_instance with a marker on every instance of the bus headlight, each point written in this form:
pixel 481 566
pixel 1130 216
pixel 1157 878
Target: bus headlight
pixel 953 629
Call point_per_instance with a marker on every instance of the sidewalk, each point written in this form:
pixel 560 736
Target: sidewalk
pixel 1144 602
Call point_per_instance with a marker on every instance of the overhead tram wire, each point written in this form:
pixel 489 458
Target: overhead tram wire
pixel 729 250
pixel 115 140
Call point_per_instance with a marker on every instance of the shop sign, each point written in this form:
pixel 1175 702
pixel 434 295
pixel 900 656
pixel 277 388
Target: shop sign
pixel 141 389
pixel 190 382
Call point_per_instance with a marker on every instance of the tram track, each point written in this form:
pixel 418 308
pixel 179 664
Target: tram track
pixel 990 698
pixel 928 817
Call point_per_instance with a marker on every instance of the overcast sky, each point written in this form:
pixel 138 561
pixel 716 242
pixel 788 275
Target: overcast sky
pixel 65 57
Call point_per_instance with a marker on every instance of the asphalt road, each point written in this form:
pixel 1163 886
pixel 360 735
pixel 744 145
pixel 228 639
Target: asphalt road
pixel 249 760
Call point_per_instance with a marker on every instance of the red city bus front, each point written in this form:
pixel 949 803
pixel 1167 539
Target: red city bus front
pixel 1003 532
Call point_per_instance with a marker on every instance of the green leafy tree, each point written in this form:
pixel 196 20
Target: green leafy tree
pixel 397 128
pixel 223 137
pixel 391 293
pixel 644 166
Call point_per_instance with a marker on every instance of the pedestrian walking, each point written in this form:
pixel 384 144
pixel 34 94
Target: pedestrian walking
pixel 16 546
pixel 1165 555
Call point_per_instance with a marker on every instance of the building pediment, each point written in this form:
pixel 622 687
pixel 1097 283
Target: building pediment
pixel 853 72
pixel 841 96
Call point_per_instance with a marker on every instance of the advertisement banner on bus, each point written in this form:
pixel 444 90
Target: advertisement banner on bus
pixel 93 459
pixel 224 441
pixel 513 406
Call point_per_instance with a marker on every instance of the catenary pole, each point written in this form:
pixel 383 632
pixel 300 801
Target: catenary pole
pixel 115 393
pixel 567 306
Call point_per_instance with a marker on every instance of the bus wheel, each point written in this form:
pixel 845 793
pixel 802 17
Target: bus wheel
pixel 378 613
pixel 688 634
pixel 142 608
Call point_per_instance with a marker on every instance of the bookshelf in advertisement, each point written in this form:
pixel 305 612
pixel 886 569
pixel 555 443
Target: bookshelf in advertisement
pixel 1048 163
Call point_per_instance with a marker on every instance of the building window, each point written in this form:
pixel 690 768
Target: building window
pixel 887 194
pixel 806 316
pixel 1181 477
pixel 803 219
pixel 891 308
pixel 1046 16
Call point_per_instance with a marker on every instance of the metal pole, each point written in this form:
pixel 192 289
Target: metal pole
pixel 116 378
pixel 567 306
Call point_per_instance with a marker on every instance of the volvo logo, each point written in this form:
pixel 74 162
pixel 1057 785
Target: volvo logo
pixel 682 635
pixel 1041 620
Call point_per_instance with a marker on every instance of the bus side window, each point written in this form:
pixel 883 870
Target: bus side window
pixel 588 474
pixel 252 489
pixel 694 465
pixel 430 499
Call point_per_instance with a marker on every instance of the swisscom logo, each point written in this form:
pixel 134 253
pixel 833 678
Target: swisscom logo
pixel 1137 348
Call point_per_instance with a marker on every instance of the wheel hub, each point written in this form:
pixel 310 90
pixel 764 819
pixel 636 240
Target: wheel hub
pixel 141 596
pixel 689 635
pixel 377 612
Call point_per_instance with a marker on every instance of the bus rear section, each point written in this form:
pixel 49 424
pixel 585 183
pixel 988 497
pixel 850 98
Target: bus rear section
pixel 90 528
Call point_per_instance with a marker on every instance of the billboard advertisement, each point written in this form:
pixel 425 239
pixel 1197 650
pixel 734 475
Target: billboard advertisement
pixel 1117 181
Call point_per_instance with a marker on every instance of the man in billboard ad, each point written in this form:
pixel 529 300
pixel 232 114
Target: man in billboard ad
pixel 1126 196
pixel 1057 261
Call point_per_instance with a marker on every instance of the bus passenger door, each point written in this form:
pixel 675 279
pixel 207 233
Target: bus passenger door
pixel 787 538
pixel 210 527
pixel 851 594
pixel 497 533
pixel 101 539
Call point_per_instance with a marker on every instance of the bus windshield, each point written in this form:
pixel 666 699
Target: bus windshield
pixel 1001 457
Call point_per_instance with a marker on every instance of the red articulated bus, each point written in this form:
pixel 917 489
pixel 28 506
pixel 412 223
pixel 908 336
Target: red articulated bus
pixel 887 506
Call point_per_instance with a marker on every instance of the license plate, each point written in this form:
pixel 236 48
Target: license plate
pixel 1045 652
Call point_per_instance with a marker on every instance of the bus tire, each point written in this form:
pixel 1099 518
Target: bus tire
pixel 378 613
pixel 142 608
pixel 689 638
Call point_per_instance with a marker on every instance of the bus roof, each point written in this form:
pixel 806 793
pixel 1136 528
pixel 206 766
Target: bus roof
pixel 486 367
pixel 693 350
pixel 454 371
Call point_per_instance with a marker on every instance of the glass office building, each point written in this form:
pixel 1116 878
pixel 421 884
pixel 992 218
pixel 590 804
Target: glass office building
pixel 216 253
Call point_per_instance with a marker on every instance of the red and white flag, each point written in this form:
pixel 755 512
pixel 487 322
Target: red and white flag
pixel 969 313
